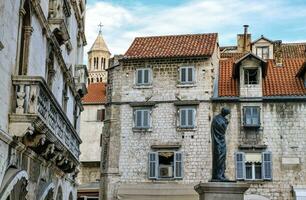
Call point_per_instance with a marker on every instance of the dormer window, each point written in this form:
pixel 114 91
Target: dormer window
pixel 251 77
pixel 262 52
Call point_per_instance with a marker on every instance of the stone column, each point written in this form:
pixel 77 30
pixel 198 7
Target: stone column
pixel 26 46
pixel 221 190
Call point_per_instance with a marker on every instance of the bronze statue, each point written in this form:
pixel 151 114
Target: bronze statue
pixel 218 128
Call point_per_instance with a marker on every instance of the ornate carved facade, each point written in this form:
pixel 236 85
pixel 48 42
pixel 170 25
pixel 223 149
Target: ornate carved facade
pixel 43 81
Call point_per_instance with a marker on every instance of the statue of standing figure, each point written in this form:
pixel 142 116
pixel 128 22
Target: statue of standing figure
pixel 218 129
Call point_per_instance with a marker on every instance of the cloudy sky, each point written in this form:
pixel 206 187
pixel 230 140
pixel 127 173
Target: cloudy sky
pixel 124 20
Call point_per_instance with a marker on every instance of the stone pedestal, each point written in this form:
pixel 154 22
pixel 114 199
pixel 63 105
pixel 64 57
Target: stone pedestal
pixel 221 190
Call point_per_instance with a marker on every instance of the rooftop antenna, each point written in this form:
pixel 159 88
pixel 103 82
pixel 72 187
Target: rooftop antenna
pixel 100 28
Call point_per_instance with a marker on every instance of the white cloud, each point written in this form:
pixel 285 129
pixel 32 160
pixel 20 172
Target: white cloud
pixel 123 24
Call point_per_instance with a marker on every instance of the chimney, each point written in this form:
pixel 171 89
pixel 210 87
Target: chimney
pixel 244 40
pixel 278 53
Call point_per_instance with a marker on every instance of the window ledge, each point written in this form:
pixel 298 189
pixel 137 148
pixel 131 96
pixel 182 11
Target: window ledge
pixel 259 181
pixel 142 130
pixel 163 180
pixel 186 85
pixel 143 86
pixel 186 129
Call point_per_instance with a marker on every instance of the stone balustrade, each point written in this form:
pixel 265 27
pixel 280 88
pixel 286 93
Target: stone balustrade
pixel 40 121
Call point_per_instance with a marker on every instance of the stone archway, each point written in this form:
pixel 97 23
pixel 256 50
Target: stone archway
pixel 14 186
pixel 254 197
pixel 47 193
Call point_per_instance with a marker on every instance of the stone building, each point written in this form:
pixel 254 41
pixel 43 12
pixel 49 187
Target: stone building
pixel 42 83
pixel 91 128
pixel 161 99
pixel 98 60
pixel 92 120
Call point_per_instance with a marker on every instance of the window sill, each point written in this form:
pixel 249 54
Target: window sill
pixel 142 86
pixel 142 130
pixel 186 129
pixel 186 85
pixel 258 181
pixel 163 180
pixel 251 126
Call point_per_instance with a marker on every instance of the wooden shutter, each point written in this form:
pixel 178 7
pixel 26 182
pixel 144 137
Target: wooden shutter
pixel 190 74
pixel 145 118
pixel 178 165
pixel 138 118
pixel 266 165
pixel 139 79
pixel 183 75
pixel 153 165
pixel 240 165
pixel 99 115
pixel 190 121
pixel 183 117
pixel 103 115
pixel 146 77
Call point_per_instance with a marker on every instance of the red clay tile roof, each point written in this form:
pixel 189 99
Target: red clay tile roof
pixel 172 46
pixel 282 81
pixel 279 81
pixel 96 94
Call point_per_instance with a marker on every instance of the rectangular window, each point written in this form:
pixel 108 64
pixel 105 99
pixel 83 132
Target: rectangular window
pixel 142 118
pixel 165 165
pixel 251 116
pixel 262 52
pixel 253 166
pixel 100 115
pixel 251 76
pixel 187 75
pixel 143 77
pixel 187 117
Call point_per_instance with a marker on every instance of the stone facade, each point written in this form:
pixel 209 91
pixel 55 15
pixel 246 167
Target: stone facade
pixel 92 120
pixel 43 81
pixel 125 149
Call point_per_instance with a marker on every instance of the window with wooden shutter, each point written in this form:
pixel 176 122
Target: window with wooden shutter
pixel 103 115
pixel 143 76
pixel 178 165
pixel 267 165
pixel 187 75
pixel 187 117
pixel 99 115
pixel 240 165
pixel 251 116
pixel 153 165
pixel 142 118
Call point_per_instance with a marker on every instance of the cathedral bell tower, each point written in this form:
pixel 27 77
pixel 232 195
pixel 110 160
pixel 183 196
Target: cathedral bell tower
pixel 98 60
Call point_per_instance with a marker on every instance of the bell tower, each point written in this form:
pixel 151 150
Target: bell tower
pixel 98 60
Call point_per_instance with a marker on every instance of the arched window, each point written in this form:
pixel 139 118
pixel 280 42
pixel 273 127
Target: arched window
pixel 26 32
pixel 88 80
pixel 59 195
pixel 97 79
pixel 100 79
pixel 97 63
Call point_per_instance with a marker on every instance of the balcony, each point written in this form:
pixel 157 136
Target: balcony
pixel 60 30
pixel 39 122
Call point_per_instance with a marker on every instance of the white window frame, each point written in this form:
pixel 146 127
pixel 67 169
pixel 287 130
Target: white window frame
pixel 264 164
pixel 253 172
pixel 176 163
pixel 187 109
pixel 143 83
pixel 247 82
pixel 187 74
pixel 142 111
pixel 260 53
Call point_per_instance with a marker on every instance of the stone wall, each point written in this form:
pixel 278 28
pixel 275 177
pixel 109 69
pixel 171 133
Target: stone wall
pixel 90 133
pixel 283 132
pixel 89 172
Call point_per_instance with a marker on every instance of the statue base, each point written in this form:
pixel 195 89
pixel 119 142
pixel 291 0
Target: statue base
pixel 221 190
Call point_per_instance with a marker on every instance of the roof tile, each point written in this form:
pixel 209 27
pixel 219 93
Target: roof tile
pixel 172 46
pixel 96 93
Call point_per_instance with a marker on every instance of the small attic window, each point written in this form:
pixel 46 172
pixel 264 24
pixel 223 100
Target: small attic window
pixel 262 52
pixel 251 76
